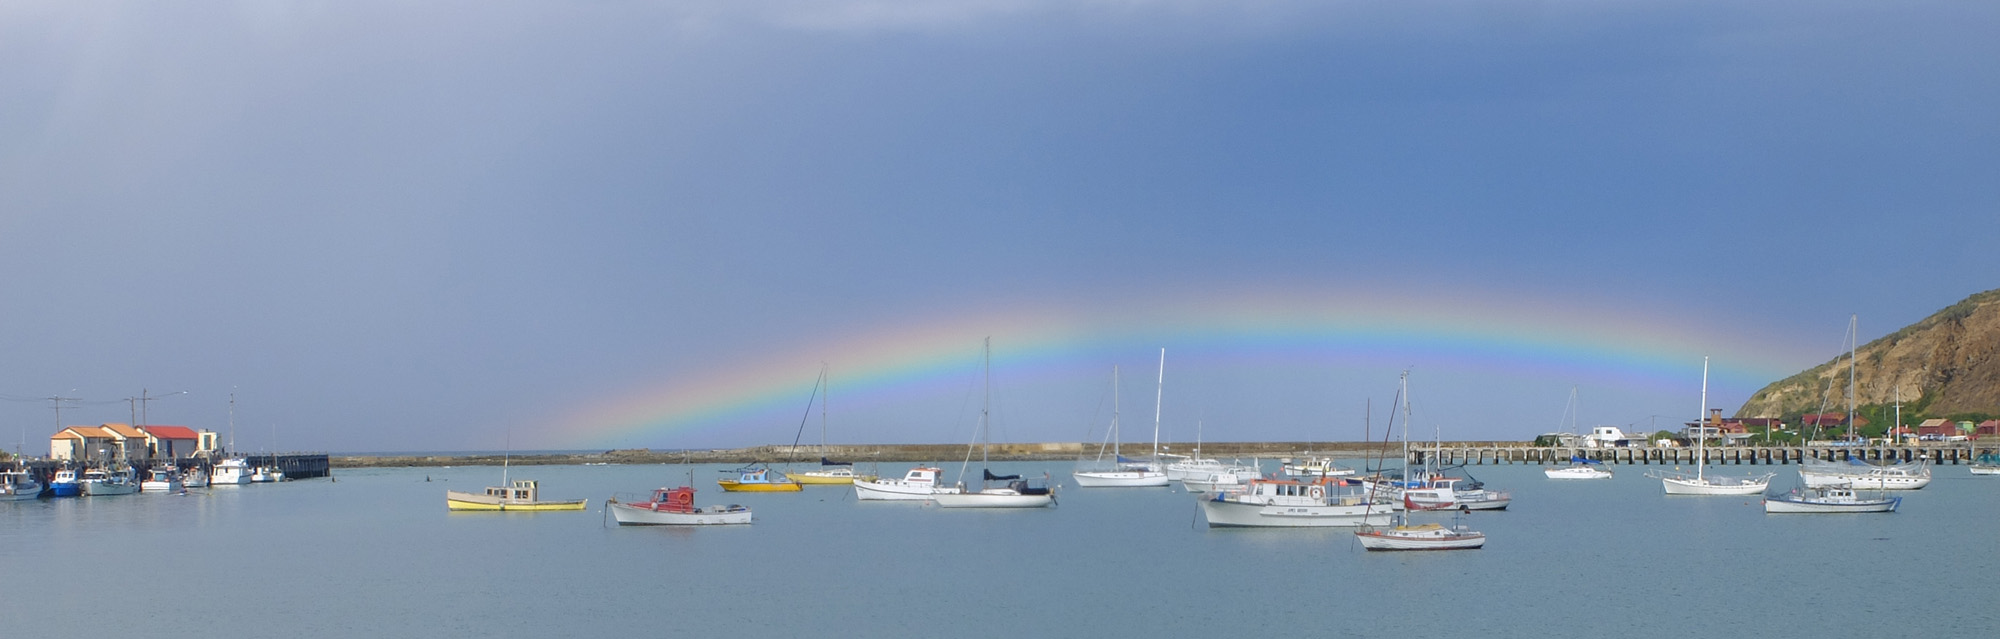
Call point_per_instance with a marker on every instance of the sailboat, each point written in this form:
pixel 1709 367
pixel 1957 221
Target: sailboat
pixel 830 472
pixel 1124 472
pixel 1405 536
pixel 1855 473
pixel 1701 483
pixel 1579 467
pixel 1014 493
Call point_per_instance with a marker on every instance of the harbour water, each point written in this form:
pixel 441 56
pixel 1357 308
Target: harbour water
pixel 375 553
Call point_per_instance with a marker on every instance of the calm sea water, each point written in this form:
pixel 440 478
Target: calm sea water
pixel 376 554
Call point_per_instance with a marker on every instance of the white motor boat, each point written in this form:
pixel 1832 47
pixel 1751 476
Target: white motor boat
pixel 19 485
pixel 1225 478
pixel 1314 467
pixel 98 482
pixel 264 475
pixel 919 484
pixel 1448 492
pixel 1285 503
pixel 1828 499
pixel 1865 476
pixel 233 471
pixel 1579 468
pixel 194 478
pixel 165 479
pixel 675 507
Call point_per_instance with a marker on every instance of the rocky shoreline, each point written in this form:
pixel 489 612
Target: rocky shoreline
pixel 776 454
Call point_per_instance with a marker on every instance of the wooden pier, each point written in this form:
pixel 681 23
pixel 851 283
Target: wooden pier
pixel 1956 453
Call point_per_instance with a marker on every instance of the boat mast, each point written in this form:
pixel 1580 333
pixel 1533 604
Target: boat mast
pixel 825 380
pixel 1701 428
pixel 1852 337
pixel 1160 393
pixel 1115 434
pixel 1403 388
pixel 985 407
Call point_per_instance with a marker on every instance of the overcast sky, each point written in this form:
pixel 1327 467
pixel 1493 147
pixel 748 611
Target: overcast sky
pixel 392 226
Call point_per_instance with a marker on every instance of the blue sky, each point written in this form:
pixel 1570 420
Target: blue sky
pixel 388 226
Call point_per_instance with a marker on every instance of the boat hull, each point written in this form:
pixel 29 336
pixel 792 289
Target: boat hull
pixel 1789 505
pixel 1865 481
pixel 897 491
pixel 734 486
pixel 1979 469
pixel 1577 472
pixel 993 499
pixel 152 486
pixel 637 515
pixel 818 478
pixel 1233 514
pixel 1420 538
pixel 455 500
pixel 1121 479
pixel 66 489
pixel 1715 486
pixel 100 489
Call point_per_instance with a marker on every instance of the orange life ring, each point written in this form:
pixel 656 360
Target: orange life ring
pixel 1316 492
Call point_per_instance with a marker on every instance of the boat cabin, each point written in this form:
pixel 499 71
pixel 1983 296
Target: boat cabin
pixel 923 476
pixel 674 500
pixel 521 490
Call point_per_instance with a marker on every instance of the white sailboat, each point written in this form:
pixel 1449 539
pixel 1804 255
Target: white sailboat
pixel 1405 536
pixel 1125 473
pixel 1701 483
pixel 830 472
pixel 1579 467
pixel 1856 473
pixel 1014 493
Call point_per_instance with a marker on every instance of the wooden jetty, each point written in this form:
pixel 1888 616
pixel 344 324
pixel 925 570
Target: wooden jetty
pixel 1491 453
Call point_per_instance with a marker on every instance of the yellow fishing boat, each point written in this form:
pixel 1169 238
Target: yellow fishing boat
pixel 522 495
pixel 759 480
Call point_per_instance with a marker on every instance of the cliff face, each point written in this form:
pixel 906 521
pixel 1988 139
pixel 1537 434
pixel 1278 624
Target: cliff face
pixel 1953 356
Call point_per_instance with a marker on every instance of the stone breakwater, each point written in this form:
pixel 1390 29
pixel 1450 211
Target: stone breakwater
pixel 863 454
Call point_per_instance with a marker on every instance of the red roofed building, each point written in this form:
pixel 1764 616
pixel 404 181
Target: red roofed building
pixel 170 442
pixel 1988 428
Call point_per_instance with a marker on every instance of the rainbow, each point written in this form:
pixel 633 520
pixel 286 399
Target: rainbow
pixel 933 355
